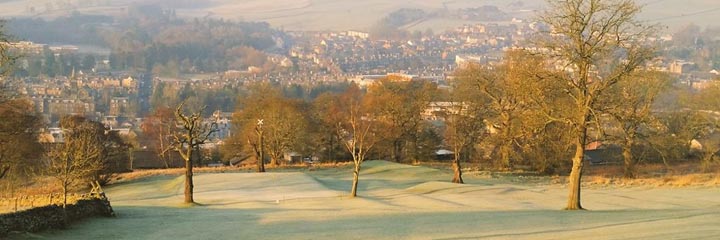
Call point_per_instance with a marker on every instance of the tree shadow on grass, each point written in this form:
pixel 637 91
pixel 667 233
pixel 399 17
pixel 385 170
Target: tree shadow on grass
pixel 269 223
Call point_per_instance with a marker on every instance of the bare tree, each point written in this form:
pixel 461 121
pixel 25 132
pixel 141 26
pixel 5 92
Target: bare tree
pixel 630 104
pixel 79 158
pixel 284 123
pixel 159 127
pixel 398 105
pixel 326 115
pixel 464 128
pixel 283 126
pixel 356 130
pixel 194 132
pixel 597 43
pixel 710 151
pixel 705 124
pixel 507 93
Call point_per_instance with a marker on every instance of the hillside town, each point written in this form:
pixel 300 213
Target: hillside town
pixel 420 119
pixel 315 58
pixel 134 88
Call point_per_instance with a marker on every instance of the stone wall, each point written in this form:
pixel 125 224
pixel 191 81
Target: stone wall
pixel 52 217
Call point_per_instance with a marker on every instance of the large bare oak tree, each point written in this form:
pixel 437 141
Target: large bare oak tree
pixel 194 132
pixel 80 157
pixel 596 43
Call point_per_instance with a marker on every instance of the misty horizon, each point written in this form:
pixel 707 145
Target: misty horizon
pixel 312 15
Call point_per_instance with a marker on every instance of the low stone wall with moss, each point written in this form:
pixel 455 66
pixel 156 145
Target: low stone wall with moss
pixel 52 217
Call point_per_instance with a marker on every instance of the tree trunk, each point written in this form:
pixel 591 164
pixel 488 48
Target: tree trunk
pixel 331 150
pixel 64 205
pixel 707 160
pixel 356 176
pixel 65 193
pixel 188 181
pixel 166 160
pixel 457 177
pixel 628 159
pixel 506 146
pixel 505 155
pixel 274 161
pixel 3 172
pixel 261 161
pixel 415 155
pixel 258 157
pixel 163 157
pixel 199 161
pixel 131 158
pixel 65 182
pixel 397 151
pixel 576 173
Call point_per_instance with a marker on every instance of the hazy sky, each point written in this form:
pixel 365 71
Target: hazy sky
pixel 345 14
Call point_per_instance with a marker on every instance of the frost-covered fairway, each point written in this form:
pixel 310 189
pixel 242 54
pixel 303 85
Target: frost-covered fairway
pixel 396 202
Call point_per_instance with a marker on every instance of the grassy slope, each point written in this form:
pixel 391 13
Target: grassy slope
pixel 396 202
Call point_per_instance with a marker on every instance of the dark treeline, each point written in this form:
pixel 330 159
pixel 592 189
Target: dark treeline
pixel 192 46
pixel 701 46
pixel 224 99
pixel 47 63
pixel 152 38
pixel 391 26
pixel 308 125
pixel 77 29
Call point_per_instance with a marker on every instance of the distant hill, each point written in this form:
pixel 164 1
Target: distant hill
pixel 346 14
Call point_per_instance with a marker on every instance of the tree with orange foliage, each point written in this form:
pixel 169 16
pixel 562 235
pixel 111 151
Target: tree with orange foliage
pixel 398 104
pixel 357 129
pixel 160 127
pixel 598 43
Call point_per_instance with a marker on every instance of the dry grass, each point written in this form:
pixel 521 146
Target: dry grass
pixel 655 175
pixel 39 186
pixel 687 180
pixel 31 201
